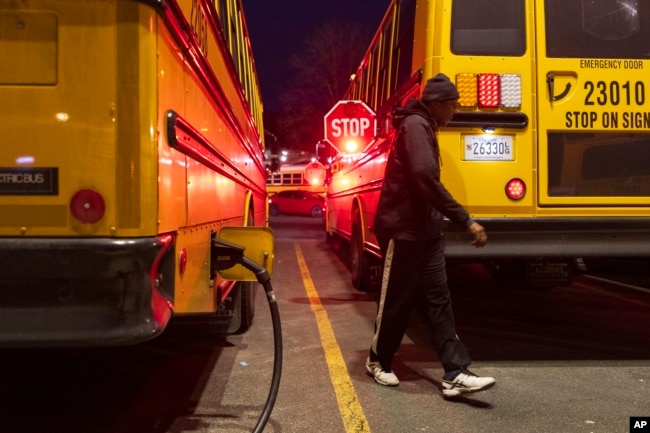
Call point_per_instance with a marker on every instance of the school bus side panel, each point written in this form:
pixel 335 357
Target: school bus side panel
pixel 340 198
pixel 210 184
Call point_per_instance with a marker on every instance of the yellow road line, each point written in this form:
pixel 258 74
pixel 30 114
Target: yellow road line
pixel 351 411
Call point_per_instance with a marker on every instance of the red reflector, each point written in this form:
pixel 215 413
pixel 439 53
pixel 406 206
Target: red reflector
pixel 87 206
pixel 182 262
pixel 515 189
pixel 489 91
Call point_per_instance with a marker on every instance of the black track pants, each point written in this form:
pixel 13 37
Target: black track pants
pixel 414 273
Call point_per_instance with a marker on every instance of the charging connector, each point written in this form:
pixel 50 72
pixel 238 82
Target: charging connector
pixel 226 255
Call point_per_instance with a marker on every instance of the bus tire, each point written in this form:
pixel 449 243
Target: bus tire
pixel 235 318
pixel 244 309
pixel 359 264
pixel 243 299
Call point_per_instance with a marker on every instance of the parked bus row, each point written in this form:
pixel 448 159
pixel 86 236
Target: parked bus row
pixel 550 147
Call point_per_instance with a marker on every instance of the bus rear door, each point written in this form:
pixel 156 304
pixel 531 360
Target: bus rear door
pixel 594 108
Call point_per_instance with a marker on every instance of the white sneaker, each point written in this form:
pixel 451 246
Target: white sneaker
pixel 381 376
pixel 464 383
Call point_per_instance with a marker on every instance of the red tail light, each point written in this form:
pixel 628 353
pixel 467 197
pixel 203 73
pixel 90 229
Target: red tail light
pixel 87 206
pixel 515 189
pixel 489 91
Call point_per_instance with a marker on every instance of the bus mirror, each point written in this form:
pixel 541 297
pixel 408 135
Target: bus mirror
pixel 325 151
pixel 383 125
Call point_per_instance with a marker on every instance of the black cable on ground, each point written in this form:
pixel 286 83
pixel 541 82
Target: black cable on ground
pixel 265 279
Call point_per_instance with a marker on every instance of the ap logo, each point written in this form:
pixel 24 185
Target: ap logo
pixel 640 424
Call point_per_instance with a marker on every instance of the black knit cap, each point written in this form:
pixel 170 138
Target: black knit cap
pixel 439 88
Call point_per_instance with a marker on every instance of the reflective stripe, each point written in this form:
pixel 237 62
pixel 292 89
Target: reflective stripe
pixel 384 285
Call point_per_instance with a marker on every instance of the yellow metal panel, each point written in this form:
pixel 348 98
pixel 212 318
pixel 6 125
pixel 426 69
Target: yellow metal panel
pixel 172 181
pixel 193 293
pixel 148 134
pixel 29 46
pixel 210 196
pixel 96 120
pixel 69 125
pixel 136 112
pixel 33 216
pixel 128 171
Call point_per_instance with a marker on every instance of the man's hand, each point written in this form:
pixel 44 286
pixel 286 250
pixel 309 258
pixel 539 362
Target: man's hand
pixel 480 237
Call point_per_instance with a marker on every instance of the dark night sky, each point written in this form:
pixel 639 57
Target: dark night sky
pixel 278 27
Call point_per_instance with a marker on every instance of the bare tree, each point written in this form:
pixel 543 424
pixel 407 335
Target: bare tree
pixel 320 76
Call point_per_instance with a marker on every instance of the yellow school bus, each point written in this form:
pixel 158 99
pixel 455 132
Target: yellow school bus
pixel 131 136
pixel 550 147
pixel 297 176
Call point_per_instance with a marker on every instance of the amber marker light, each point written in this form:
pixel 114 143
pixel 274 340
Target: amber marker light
pixel 467 89
pixel 515 189
pixel 87 206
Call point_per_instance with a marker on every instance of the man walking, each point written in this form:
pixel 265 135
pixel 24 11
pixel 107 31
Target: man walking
pixel 409 227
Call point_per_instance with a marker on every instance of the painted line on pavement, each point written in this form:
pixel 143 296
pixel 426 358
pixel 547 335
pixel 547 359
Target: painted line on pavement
pixel 351 411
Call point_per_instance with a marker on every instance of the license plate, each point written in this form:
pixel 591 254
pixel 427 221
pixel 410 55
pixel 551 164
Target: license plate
pixel 489 148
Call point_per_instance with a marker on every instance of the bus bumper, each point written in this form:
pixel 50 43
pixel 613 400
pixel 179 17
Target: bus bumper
pixel 556 237
pixel 545 252
pixel 81 292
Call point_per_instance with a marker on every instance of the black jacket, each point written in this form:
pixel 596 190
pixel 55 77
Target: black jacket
pixel 413 200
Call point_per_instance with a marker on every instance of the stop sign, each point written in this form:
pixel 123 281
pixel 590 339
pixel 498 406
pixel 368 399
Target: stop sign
pixel 350 126
pixel 315 173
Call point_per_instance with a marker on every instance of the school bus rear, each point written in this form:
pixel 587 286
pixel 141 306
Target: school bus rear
pixel 128 144
pixel 78 172
pixel 550 147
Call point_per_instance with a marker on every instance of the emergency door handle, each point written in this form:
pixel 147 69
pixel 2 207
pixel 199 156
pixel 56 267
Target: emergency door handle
pixel 550 82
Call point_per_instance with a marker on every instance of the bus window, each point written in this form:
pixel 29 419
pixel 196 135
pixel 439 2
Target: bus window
pixel 610 20
pixel 494 28
pixel 599 165
pixel 603 29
